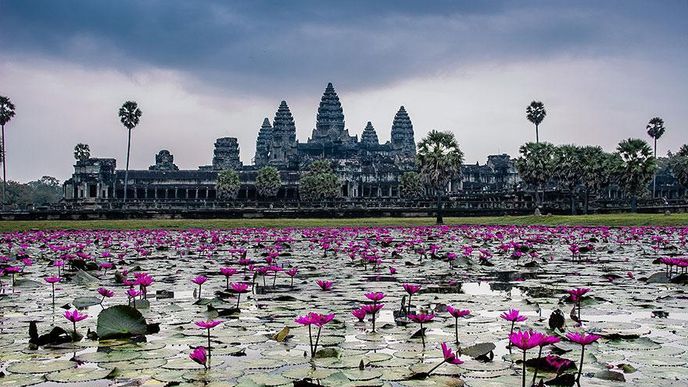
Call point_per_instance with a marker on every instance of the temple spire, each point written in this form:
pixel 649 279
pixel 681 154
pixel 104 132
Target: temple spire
pixel 263 143
pixel 369 136
pixel 283 137
pixel 329 125
pixel 402 134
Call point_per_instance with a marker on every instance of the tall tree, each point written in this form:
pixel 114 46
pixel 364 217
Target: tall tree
pixel 6 114
pixel 598 170
pixel 569 171
pixel 129 115
pixel 439 159
pixel 411 185
pixel 268 182
pixel 536 166
pixel 228 184
pixel 82 152
pixel 679 165
pixel 535 112
pixel 655 129
pixel 320 182
pixel 637 169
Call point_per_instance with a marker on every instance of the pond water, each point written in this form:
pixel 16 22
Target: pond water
pixel 641 316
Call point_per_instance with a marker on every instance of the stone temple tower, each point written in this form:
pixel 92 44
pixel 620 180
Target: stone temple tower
pixel 402 135
pixel 282 147
pixel 329 126
pixel 262 156
pixel 226 154
pixel 369 136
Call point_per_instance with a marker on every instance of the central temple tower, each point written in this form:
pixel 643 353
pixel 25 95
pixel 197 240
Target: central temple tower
pixel 329 125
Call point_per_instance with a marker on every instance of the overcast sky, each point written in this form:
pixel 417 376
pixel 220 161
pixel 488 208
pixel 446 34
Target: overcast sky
pixel 207 69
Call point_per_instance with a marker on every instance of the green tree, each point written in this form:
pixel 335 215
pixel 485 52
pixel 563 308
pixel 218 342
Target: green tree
pixel 536 165
pixel 637 168
pixel 82 152
pixel 568 171
pixel 655 129
pixel 411 185
pixel 45 190
pixel 6 114
pixel 129 115
pixel 228 184
pixel 598 170
pixel 679 165
pixel 535 113
pixel 320 182
pixel 268 182
pixel 439 159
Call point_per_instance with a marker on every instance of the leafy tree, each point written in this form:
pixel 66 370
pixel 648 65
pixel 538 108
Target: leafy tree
pixel 82 152
pixel 598 170
pixel 536 165
pixel 439 159
pixel 535 113
pixel 568 171
pixel 637 168
pixel 655 129
pixel 129 115
pixel 46 190
pixel 411 185
pixel 320 182
pixel 268 182
pixel 6 114
pixel 679 165
pixel 228 184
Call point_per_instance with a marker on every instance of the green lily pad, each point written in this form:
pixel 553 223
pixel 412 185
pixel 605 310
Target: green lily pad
pixel 120 321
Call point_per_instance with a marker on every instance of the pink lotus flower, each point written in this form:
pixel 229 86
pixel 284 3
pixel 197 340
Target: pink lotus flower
pixel 372 309
pixel 292 273
pixel 52 279
pixel 583 339
pixel 456 313
pixel 199 280
pixel 526 340
pixel 411 290
pixel 449 355
pixel 208 324
pixel 325 285
pixel 74 316
pixel 421 319
pixel 238 288
pixel 392 270
pixel 578 293
pixel 199 356
pixel 375 296
pixel 359 314
pixel 318 320
pixel 513 315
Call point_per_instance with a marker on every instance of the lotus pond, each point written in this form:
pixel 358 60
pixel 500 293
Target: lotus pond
pixel 383 306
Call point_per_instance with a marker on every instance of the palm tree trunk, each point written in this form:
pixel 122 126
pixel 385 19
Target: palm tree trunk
pixel 439 208
pixel 126 172
pixel 654 176
pixel 4 168
pixel 634 203
pixel 587 199
pixel 537 135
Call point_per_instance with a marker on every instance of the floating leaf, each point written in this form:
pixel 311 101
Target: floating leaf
pixel 120 321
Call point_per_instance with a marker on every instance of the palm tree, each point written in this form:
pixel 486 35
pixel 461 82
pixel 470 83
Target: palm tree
pixel 6 114
pixel 655 129
pixel 637 168
pixel 82 152
pixel 536 166
pixel 569 169
pixel 439 159
pixel 535 112
pixel 129 115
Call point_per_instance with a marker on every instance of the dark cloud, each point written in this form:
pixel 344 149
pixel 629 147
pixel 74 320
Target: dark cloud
pixel 289 46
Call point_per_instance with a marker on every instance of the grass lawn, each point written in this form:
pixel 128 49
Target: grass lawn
pixel 583 220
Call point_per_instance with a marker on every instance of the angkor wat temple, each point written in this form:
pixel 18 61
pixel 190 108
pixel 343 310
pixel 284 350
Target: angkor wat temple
pixel 366 167
pixel 369 171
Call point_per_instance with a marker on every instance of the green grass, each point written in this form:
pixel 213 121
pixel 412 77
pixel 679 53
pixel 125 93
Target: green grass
pixel 582 220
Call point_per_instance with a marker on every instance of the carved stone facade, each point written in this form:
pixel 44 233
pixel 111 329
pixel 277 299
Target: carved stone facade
pixel 366 168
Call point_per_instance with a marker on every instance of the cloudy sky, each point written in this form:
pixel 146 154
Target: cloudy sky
pixel 207 69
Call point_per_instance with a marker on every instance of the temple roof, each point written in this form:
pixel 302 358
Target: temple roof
pixel 369 136
pixel 283 121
